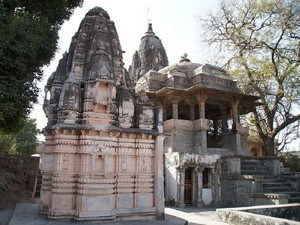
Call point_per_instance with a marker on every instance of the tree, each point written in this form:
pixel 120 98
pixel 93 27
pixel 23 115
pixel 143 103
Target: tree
pixel 291 161
pixel 26 139
pixel 7 144
pixel 24 142
pixel 260 41
pixel 28 41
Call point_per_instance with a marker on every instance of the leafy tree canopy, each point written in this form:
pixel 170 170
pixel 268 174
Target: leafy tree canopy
pixel 24 142
pixel 260 42
pixel 7 144
pixel 26 139
pixel 28 41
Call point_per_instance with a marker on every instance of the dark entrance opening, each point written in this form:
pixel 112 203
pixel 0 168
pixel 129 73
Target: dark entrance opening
pixel 206 178
pixel 188 186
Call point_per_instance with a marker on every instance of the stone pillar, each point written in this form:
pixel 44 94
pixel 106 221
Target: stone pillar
pixel 159 179
pixel 163 106
pixel 165 112
pixel 224 119
pixel 216 184
pixel 203 134
pixel 236 117
pixel 202 107
pixel 225 132
pixel 181 177
pixel 192 109
pixel 175 109
pixel 199 175
pixel 159 176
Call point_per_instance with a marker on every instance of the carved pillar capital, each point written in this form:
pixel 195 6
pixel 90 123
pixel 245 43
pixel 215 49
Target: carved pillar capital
pixel 200 168
pixel 190 100
pixel 175 99
pixel 160 101
pixel 180 169
pixel 201 97
pixel 235 102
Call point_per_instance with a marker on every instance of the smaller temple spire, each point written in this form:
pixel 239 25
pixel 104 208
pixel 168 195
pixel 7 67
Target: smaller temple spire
pixel 150 56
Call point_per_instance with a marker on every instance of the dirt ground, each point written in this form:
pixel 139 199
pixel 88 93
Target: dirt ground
pixel 12 190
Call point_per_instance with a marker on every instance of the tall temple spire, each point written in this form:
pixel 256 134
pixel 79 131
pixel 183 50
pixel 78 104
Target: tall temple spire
pixel 150 56
pixel 94 61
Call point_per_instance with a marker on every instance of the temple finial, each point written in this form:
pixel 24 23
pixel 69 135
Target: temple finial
pixel 184 58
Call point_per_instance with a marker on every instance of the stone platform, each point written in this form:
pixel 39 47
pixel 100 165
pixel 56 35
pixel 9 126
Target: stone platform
pixel 28 213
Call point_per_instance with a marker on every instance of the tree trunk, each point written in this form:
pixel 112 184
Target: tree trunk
pixel 268 148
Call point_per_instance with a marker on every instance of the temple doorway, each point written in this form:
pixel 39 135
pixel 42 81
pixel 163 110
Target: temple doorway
pixel 188 186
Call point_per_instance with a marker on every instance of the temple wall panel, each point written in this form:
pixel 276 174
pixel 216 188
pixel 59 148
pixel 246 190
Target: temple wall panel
pixel 100 171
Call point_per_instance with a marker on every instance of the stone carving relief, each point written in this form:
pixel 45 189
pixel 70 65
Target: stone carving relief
pixel 145 112
pixel 124 164
pixel 125 102
pixel 146 164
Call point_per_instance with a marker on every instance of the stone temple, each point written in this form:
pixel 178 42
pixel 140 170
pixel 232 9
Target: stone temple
pixel 121 144
pixel 103 154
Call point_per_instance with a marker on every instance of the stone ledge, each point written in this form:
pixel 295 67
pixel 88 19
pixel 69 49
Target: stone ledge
pixel 255 215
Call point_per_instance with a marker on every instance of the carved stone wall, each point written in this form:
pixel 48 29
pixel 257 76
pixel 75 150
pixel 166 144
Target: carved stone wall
pixel 99 175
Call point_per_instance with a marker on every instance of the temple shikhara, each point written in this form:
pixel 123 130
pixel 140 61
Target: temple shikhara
pixel 120 144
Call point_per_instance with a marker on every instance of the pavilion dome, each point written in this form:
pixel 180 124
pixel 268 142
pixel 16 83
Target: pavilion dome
pixel 185 68
pixel 188 69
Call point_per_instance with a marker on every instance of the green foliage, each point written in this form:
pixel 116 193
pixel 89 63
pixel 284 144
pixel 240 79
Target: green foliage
pixel 24 142
pixel 260 41
pixel 28 41
pixel 291 161
pixel 26 138
pixel 7 144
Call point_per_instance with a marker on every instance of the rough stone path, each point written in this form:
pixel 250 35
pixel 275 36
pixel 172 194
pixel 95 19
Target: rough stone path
pixel 27 214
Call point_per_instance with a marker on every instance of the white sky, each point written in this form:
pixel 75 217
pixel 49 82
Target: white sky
pixel 175 22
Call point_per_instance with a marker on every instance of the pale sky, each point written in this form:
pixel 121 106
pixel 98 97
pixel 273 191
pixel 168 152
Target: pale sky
pixel 175 22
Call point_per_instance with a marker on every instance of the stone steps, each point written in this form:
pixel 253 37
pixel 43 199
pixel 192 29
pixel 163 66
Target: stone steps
pixel 255 167
pixel 294 197
pixel 275 188
pixel 276 185
pixel 282 185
